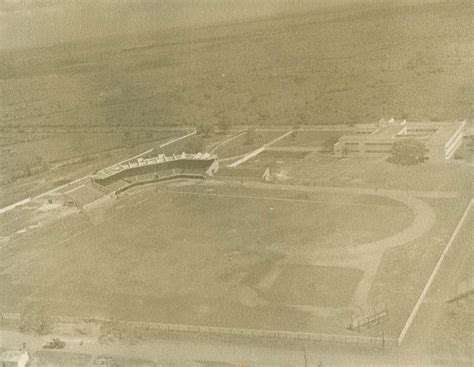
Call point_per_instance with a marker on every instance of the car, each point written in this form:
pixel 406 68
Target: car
pixel 55 343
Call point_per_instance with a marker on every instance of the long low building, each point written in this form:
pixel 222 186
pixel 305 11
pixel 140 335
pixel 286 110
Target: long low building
pixel 441 139
pixel 199 162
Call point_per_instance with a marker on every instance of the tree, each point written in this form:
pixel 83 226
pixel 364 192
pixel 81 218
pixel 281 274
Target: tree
pixel 407 152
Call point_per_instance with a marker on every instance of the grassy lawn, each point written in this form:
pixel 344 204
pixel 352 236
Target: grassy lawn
pixel 75 145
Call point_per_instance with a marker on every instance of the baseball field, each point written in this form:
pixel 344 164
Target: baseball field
pixel 247 255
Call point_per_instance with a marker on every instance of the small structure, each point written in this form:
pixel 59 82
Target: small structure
pixel 14 358
pixel 267 176
pixel 441 139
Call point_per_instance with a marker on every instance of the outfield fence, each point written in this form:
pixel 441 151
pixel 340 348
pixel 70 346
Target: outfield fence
pixel 359 340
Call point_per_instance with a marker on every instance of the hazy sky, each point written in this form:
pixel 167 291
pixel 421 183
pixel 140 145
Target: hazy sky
pixel 25 23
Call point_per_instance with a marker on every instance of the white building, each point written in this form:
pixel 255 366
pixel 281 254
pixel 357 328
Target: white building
pixel 441 139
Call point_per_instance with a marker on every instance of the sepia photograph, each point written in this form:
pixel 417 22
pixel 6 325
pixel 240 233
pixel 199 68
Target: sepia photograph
pixel 236 183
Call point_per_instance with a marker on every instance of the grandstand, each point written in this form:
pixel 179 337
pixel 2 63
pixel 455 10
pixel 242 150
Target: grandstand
pixel 161 165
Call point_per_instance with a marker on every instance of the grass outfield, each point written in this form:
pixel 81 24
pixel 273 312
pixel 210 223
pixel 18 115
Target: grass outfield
pixel 199 255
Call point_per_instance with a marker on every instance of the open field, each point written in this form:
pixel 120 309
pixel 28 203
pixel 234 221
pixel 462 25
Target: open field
pixel 251 256
pixel 243 144
pixel 74 145
pixel 332 66
pixel 31 157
